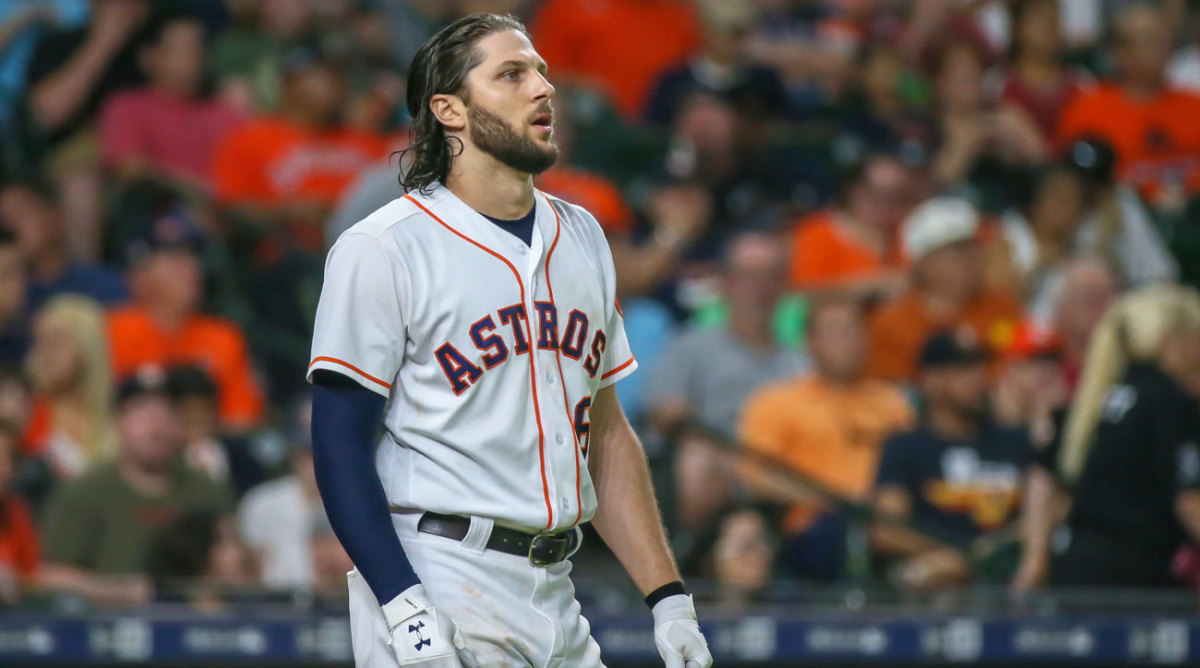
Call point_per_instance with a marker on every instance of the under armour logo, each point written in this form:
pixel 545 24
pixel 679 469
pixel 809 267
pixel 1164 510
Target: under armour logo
pixel 422 641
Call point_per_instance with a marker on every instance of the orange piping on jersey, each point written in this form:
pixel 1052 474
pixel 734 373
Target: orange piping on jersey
pixel 561 380
pixel 351 367
pixel 627 363
pixel 533 348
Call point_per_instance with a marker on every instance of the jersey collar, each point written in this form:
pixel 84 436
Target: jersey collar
pixel 470 223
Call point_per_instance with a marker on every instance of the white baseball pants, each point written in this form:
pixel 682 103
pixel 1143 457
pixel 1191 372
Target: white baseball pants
pixel 514 614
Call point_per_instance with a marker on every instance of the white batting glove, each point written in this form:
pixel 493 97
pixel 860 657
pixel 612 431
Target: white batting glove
pixel 421 636
pixel 677 634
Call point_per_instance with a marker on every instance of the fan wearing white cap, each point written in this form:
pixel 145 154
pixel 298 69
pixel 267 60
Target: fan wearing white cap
pixel 941 239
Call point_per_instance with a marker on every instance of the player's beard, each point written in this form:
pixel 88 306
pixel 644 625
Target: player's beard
pixel 498 139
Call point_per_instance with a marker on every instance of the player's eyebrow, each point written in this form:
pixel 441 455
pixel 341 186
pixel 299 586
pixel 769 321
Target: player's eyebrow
pixel 521 64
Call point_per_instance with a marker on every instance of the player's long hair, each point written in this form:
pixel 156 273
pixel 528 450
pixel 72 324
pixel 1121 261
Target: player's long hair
pixel 440 68
pixel 1132 330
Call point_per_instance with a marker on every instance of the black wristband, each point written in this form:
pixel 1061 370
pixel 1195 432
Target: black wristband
pixel 669 589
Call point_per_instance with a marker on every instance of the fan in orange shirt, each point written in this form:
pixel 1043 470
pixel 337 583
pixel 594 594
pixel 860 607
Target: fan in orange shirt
pixel 292 168
pixel 854 248
pixel 941 237
pixel 163 326
pixel 1154 129
pixel 621 46
pixel 829 426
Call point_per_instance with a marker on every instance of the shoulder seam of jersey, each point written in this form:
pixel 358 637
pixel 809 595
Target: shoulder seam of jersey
pixel 357 229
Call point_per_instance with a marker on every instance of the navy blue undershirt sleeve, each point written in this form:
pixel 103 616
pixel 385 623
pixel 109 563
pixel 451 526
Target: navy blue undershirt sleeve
pixel 521 228
pixel 346 419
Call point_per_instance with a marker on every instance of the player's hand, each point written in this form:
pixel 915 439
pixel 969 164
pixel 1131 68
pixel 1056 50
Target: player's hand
pixel 422 636
pixel 677 634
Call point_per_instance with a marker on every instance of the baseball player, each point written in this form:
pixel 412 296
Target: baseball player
pixel 477 319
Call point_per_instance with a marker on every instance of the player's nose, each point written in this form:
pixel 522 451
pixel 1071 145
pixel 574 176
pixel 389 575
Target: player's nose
pixel 545 89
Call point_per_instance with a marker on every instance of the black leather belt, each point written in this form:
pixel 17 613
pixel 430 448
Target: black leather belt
pixel 541 549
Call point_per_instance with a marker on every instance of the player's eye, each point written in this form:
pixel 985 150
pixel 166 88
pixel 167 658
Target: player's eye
pixel 511 75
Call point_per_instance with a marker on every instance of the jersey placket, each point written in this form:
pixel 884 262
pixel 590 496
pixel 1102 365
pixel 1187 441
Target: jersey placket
pixel 557 433
pixel 542 377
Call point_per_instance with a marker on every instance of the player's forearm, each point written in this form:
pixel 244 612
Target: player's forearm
pixel 627 517
pixel 345 418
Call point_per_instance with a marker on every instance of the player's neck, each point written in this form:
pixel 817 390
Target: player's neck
pixel 490 187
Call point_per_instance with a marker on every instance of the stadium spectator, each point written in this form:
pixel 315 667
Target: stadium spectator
pixel 748 181
pixel 882 111
pixel 21 26
pixel 956 477
pixel 14 328
pixel 248 57
pixel 828 426
pixel 736 551
pixel 854 247
pixel 1119 227
pixel 71 424
pixel 1039 238
pixel 983 141
pixel 99 527
pixel 1030 386
pixel 200 559
pixel 1150 125
pixel 32 478
pixel 30 209
pixel 163 324
pixel 226 458
pixel 409 24
pixel 279 519
pixel 72 70
pixel 721 68
pixel 1088 287
pixel 1129 452
pixel 1034 77
pixel 947 289
pixel 705 375
pixel 679 215
pixel 618 46
pixel 140 134
pixel 289 169
pixel 18 536
pixel 813 46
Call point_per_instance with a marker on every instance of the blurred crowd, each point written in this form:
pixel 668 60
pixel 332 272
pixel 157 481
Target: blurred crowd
pixel 910 283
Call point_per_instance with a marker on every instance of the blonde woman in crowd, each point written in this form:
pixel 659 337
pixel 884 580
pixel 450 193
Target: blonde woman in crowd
pixel 69 367
pixel 1129 453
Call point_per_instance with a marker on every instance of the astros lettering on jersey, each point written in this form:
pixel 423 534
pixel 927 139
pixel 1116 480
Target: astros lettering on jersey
pixel 489 352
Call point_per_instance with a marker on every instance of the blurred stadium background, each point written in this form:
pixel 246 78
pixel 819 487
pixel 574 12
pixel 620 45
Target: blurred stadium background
pixel 910 284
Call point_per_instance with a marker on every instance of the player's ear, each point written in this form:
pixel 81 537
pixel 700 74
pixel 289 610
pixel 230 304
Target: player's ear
pixel 449 110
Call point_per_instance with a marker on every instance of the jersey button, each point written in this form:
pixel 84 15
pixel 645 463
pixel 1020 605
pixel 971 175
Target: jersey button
pixel 563 503
pixel 558 438
pixel 550 378
pixel 522 249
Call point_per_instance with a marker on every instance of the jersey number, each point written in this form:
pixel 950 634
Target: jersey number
pixel 582 424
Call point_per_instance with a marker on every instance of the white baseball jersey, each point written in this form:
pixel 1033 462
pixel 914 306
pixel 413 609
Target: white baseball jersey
pixel 488 351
